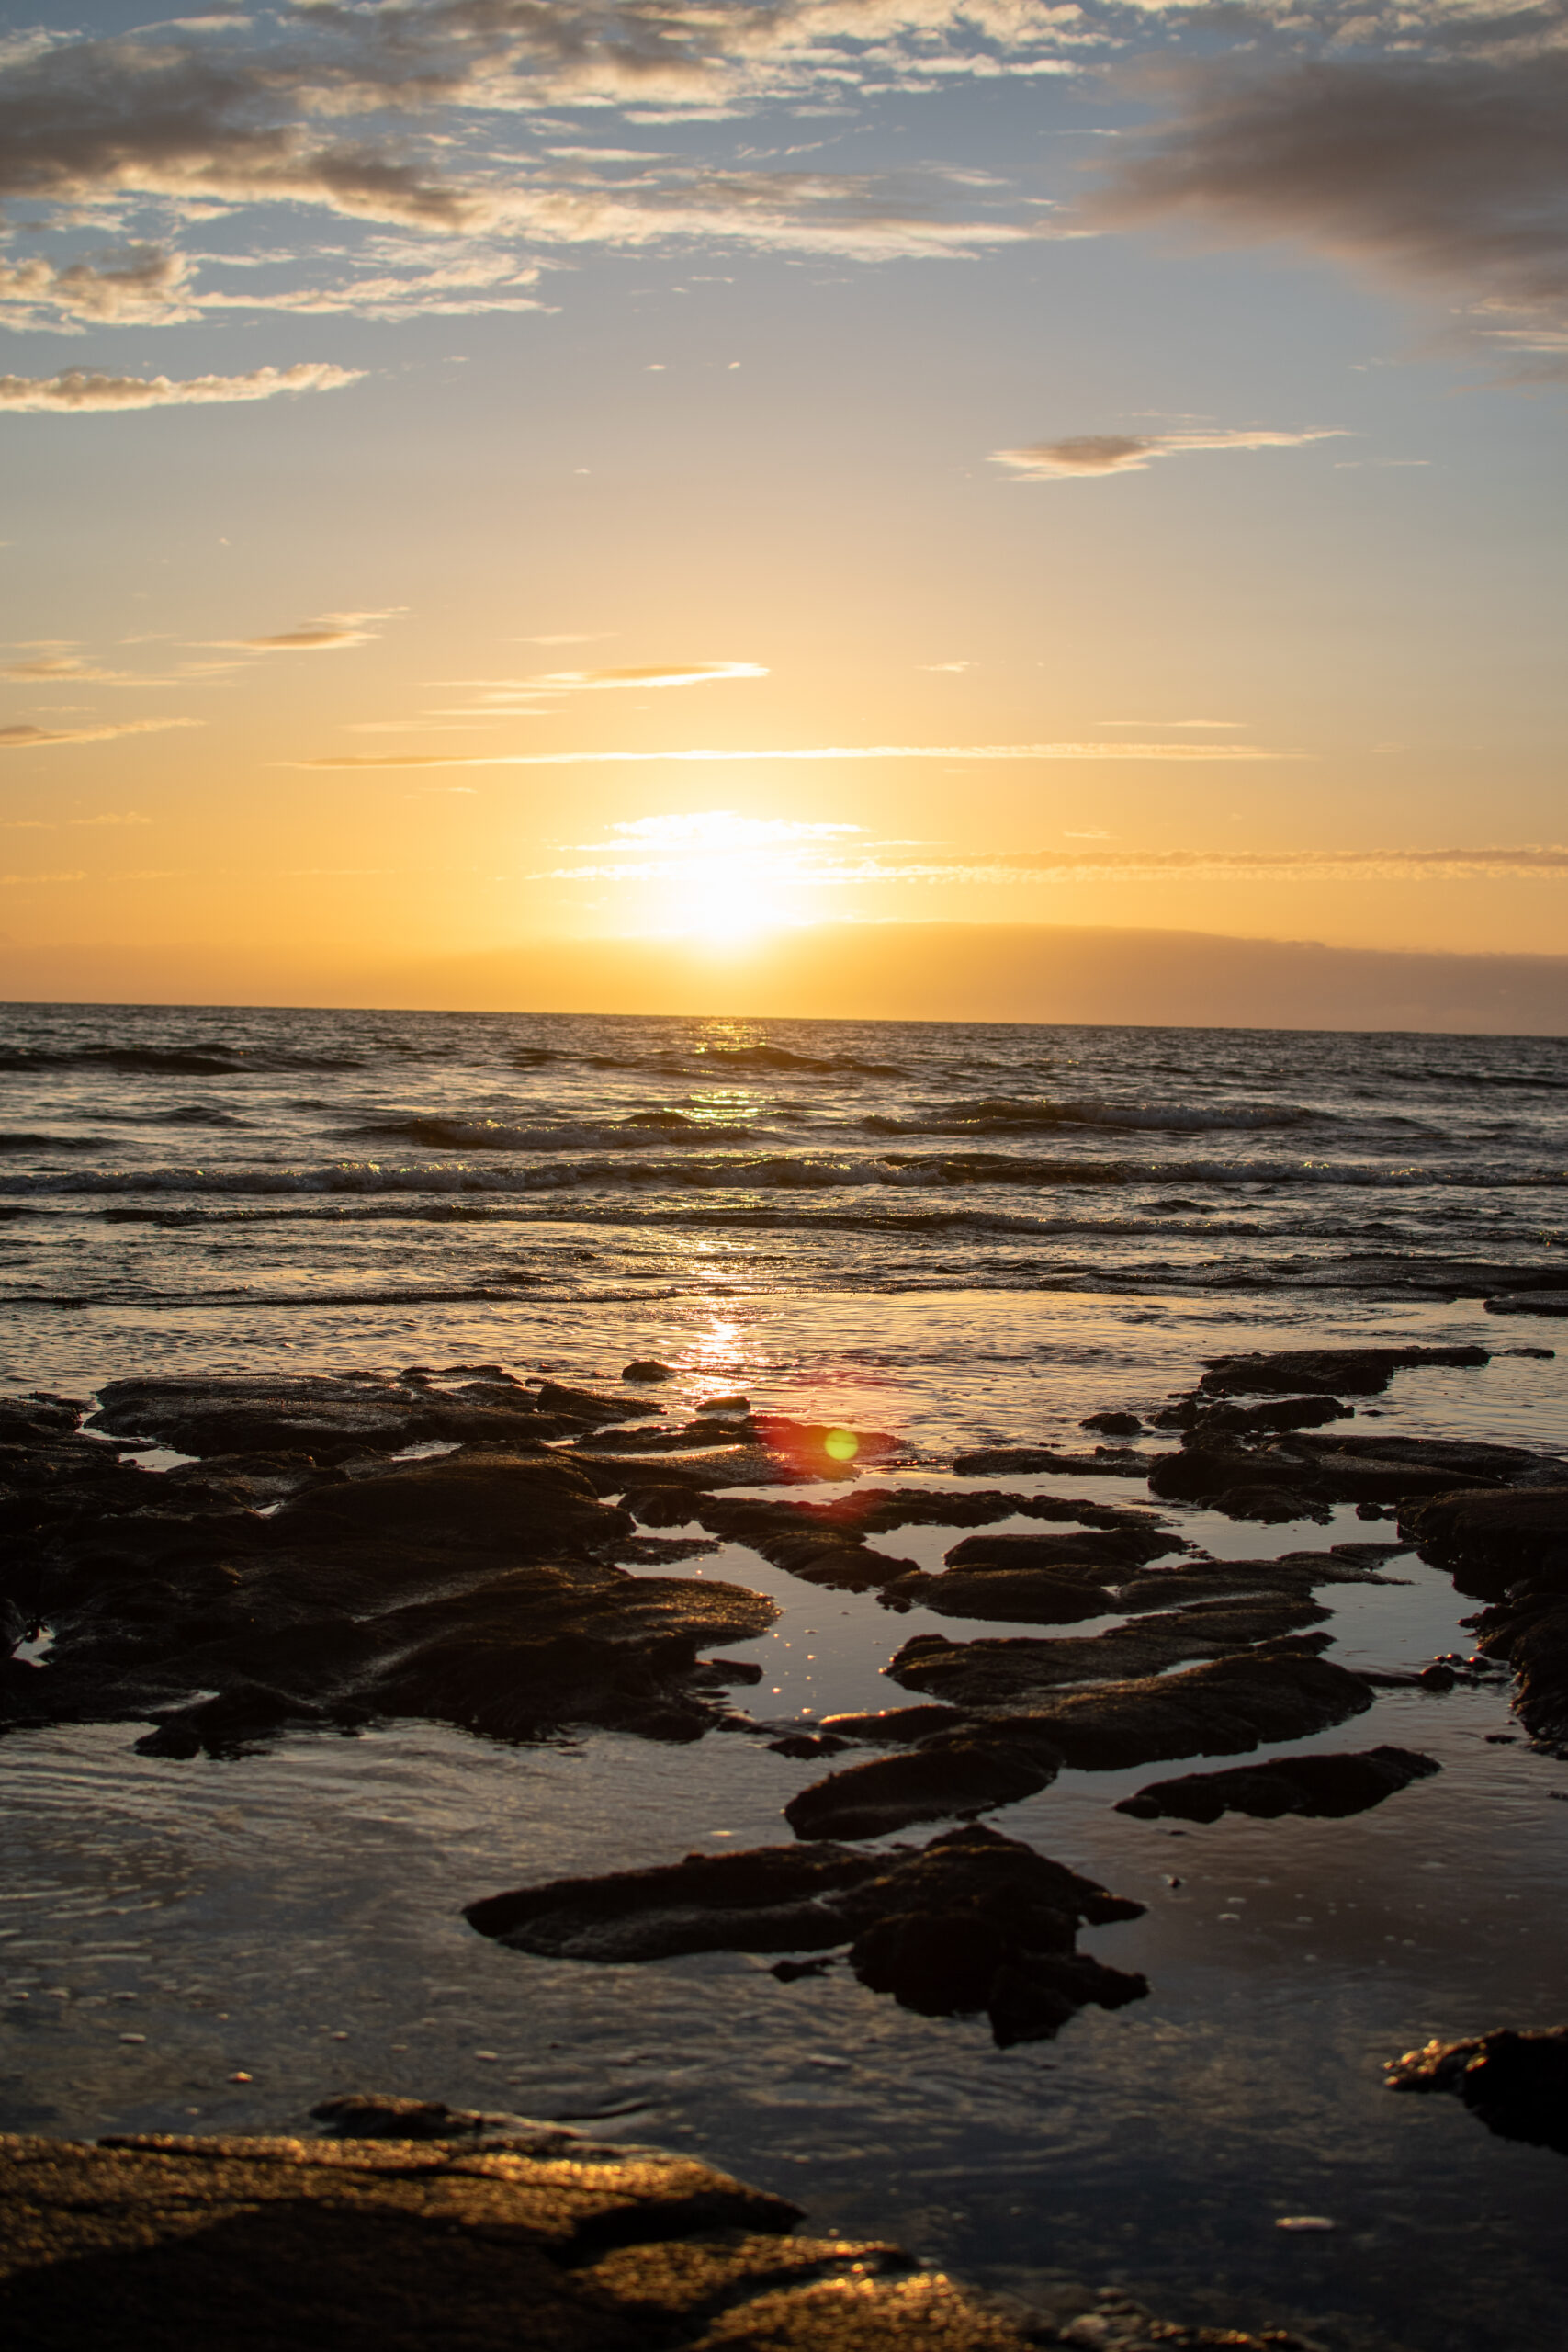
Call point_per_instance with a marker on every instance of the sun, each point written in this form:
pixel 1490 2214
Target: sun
pixel 727 879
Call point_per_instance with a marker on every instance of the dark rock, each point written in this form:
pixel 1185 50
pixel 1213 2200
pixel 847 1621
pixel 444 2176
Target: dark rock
pixel 1290 1413
pixel 1489 1540
pixel 546 1647
pixel 801 1745
pixel 660 1551
pixel 1528 1301
pixel 646 1368
pixel 964 1771
pixel 1338 1469
pixel 1105 1461
pixel 1219 1708
pixel 471 1587
pixel 893 1727
pixel 1351 1372
pixel 309 1414
pixel 230 1724
pixel 1015 1673
pixel 974 1921
pixel 1112 1424
pixel 1516 2083
pixel 1115 1550
pixel 1006 1596
pixel 523 1505
pixel 1322 1787
pixel 591 1405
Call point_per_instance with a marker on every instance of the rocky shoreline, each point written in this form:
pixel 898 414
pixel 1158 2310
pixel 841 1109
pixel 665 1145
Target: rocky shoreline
pixel 224 1562
pixel 408 2223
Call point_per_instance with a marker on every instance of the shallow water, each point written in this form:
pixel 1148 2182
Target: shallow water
pixel 295 1916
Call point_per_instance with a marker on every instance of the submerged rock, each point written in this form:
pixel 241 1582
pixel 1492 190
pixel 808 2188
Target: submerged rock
pixel 1516 2083
pixel 973 1922
pixel 1326 1788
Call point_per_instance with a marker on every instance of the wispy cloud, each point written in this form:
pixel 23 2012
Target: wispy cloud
pixel 40 738
pixel 663 858
pixel 1094 454
pixel 81 391
pixel 329 634
pixel 956 754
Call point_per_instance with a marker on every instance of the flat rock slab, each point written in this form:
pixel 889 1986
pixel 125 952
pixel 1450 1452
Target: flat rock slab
pixel 973 1922
pixel 1527 1302
pixel 1019 1672
pixel 334 1416
pixel 1504 1535
pixel 1105 1461
pixel 1516 2083
pixel 964 1771
pixel 267 2244
pixel 1341 1372
pixel 1218 1709
pixel 1324 1788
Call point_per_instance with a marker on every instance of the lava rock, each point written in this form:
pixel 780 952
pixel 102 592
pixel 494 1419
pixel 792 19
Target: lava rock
pixel 1105 1461
pixel 1014 1673
pixel 1489 1540
pixel 1114 1549
pixel 1516 2083
pixel 1351 1372
pixel 1327 1788
pixel 646 1368
pixel 1219 1708
pixel 964 1771
pixel 973 1922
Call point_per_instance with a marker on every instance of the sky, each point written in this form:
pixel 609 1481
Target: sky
pixel 490 473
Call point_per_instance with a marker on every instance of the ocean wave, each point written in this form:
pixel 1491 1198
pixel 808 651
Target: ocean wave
pixel 53 1143
pixel 779 1172
pixel 172 1061
pixel 446 1133
pixel 1006 1116
pixel 766 1057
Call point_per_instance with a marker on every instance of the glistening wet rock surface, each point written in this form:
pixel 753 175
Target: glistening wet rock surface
pixel 1516 2083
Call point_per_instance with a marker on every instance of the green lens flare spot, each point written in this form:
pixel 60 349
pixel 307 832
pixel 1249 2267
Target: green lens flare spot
pixel 841 1445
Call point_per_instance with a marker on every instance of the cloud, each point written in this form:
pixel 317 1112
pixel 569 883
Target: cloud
pixel 135 285
pixel 37 738
pixel 799 862
pixel 79 390
pixel 957 752
pixel 653 674
pixel 1132 453
pixel 327 635
pixel 1451 172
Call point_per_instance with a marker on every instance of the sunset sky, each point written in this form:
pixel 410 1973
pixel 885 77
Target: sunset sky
pixel 487 472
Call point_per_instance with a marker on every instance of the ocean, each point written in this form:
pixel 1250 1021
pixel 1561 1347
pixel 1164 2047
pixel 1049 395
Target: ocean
pixel 963 1235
